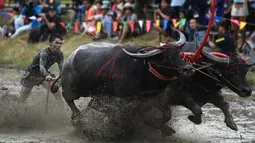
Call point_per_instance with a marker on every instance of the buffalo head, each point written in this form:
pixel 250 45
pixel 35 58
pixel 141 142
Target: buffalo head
pixel 166 58
pixel 231 71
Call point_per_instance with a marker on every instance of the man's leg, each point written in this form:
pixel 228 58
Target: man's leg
pixel 25 92
pixel 22 29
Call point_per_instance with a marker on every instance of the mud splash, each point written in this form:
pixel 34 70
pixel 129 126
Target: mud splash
pixel 28 123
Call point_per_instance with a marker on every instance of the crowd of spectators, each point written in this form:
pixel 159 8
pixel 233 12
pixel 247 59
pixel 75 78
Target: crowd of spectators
pixel 44 17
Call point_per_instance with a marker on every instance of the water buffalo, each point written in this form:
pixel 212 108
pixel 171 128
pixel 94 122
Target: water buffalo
pixel 126 71
pixel 204 86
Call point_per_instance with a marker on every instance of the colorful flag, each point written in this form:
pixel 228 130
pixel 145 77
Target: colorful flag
pixel 148 25
pixel 177 24
pixel 99 25
pixel 115 26
pixel 218 18
pixel 242 25
pixel 132 25
pixel 235 21
pixel 165 24
pixel 76 26
pixel 158 22
pixel 174 21
pixel 141 23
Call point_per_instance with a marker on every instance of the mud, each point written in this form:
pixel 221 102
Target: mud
pixel 28 122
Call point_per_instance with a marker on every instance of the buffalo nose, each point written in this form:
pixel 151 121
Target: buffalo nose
pixel 187 70
pixel 247 91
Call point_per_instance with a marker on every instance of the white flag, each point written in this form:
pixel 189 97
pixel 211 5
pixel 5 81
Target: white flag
pixel 140 23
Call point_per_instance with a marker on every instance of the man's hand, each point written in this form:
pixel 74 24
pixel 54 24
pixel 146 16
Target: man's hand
pixel 158 11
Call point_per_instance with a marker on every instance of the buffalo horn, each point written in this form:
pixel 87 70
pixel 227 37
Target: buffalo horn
pixel 148 54
pixel 215 59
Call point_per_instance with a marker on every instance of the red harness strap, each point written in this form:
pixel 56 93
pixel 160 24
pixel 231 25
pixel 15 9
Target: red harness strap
pixel 158 75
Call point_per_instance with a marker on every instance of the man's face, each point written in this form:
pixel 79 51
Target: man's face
pixel 164 4
pixel 86 4
pixel 105 11
pixel 52 13
pixel 56 45
pixel 193 24
pixel 221 30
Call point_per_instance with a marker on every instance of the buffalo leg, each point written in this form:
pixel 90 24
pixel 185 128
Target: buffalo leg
pixel 194 108
pixel 219 102
pixel 75 111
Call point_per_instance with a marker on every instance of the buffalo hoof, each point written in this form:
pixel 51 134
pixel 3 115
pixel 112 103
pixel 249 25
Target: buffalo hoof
pixel 76 119
pixel 231 124
pixel 195 119
pixel 167 131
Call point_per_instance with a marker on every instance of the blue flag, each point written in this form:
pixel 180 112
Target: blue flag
pixel 165 23
pixel 217 18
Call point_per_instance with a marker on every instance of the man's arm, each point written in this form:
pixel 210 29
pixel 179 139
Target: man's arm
pixel 166 17
pixel 49 24
pixel 43 59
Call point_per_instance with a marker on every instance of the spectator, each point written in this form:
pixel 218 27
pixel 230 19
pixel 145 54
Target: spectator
pixel 119 6
pixel 90 11
pixel 56 4
pixel 113 5
pixel 183 21
pixel 30 12
pixel 89 15
pixel 53 25
pixel 127 17
pixel 164 13
pixel 176 5
pixel 98 8
pixel 220 8
pixel 240 13
pixel 195 30
pixel 105 18
pixel 224 42
pixel 17 19
pixel 77 11
pixel 132 2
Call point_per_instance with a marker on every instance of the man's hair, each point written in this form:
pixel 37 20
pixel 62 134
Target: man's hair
pixel 99 2
pixel 16 9
pixel 167 1
pixel 88 1
pixel 55 36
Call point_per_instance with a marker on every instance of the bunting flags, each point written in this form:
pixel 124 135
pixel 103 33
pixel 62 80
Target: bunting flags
pixel 148 25
pixel 242 25
pixel 158 22
pixel 108 27
pixel 235 21
pixel 141 23
pixel 132 25
pixel 174 21
pixel 115 26
pixel 7 14
pixel 99 25
pixel 217 18
pixel 177 24
pixel 76 26
pixel 165 23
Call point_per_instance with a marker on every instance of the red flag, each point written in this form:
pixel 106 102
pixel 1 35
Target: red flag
pixel 76 27
pixel 115 26
pixel 174 21
pixel 132 25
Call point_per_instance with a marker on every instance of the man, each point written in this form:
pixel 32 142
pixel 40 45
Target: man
pixel 37 73
pixel 53 25
pixel 164 13
pixel 196 29
pixel 105 18
pixel 224 42
pixel 89 15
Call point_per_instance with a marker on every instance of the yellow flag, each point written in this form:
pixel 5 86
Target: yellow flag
pixel 242 25
pixel 177 24
pixel 99 25
pixel 158 22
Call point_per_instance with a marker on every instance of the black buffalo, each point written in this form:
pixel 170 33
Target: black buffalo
pixel 214 71
pixel 126 71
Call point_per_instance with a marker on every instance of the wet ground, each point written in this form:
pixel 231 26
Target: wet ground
pixel 28 123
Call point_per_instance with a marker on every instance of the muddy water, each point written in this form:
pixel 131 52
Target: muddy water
pixel 28 122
